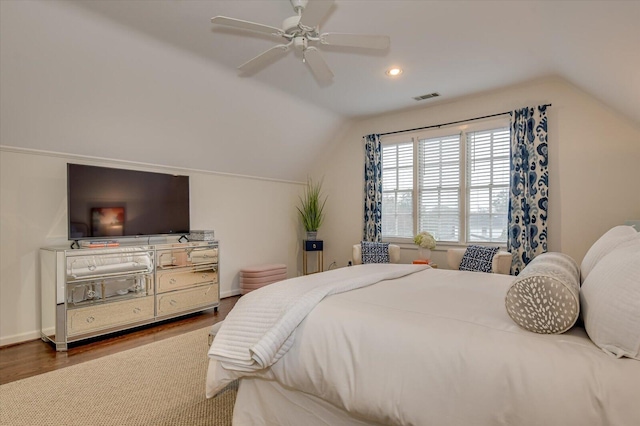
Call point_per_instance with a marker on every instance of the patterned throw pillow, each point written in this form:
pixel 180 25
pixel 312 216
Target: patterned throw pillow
pixel 478 258
pixel 544 298
pixel 374 252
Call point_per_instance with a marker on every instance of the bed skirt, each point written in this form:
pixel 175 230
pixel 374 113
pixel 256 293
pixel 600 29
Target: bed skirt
pixel 266 402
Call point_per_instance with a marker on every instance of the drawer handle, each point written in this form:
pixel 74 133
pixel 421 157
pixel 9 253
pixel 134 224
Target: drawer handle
pixel 173 302
pixel 204 276
pixel 136 310
pixel 90 320
pixel 172 281
pixel 92 267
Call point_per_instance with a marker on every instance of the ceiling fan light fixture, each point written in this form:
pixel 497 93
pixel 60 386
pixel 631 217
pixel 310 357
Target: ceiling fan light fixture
pixel 393 72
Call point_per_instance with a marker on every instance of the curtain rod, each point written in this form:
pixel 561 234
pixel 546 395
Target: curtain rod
pixel 450 123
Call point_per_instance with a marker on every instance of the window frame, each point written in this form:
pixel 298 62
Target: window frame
pixel 463 193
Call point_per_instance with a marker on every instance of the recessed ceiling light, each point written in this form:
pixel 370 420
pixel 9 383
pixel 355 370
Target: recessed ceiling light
pixel 394 72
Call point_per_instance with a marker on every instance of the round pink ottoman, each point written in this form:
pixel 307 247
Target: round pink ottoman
pixel 254 277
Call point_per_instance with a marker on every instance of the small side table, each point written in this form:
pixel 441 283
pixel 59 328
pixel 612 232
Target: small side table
pixel 312 245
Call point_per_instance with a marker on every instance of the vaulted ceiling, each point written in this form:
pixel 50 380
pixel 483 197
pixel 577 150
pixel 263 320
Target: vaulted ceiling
pixel 156 81
pixel 455 48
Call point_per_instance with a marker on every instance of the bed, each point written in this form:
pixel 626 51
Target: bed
pixel 412 346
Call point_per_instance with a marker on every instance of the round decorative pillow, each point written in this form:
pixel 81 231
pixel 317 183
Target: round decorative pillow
pixel 545 297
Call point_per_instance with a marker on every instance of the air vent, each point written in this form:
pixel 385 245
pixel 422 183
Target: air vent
pixel 427 96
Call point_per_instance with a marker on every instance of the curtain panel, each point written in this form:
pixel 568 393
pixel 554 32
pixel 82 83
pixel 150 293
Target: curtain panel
pixel 529 189
pixel 372 189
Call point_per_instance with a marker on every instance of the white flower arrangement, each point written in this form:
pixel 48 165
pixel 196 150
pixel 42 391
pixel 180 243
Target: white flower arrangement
pixel 425 240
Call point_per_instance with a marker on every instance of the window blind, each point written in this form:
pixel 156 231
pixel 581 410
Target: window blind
pixel 487 185
pixel 439 187
pixel 453 183
pixel 397 190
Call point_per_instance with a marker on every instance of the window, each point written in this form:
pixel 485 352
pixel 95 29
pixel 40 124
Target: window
pixel 451 182
pixel 397 189
pixel 487 185
pixel 439 187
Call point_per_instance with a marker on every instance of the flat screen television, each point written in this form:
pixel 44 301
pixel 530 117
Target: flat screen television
pixel 108 203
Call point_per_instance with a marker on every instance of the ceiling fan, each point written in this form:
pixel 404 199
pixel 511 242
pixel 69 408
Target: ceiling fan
pixel 302 32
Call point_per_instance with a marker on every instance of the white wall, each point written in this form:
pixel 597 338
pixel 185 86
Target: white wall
pixel 81 86
pixel 76 82
pixel 594 154
pixel 254 219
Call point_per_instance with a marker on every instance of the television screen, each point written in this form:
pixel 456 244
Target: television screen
pixel 110 203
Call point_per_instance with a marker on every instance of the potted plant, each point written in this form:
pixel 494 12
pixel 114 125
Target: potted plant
pixel 425 242
pixel 311 208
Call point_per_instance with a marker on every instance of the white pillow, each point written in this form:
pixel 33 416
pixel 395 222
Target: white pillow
pixel 610 298
pixel 545 298
pixel 604 245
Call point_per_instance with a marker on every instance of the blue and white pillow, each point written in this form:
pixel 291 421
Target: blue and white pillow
pixel 374 252
pixel 478 258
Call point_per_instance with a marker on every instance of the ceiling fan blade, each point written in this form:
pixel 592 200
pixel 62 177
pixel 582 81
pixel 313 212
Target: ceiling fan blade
pixel 356 40
pixel 314 12
pixel 245 25
pixel 264 58
pixel 318 66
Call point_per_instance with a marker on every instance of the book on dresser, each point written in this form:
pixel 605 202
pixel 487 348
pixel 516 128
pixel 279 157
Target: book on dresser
pixel 96 290
pixel 99 243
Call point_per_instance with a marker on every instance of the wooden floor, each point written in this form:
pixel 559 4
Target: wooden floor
pixel 36 357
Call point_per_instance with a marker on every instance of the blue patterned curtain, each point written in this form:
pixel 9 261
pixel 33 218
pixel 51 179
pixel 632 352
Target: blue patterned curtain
pixel 529 190
pixel 372 189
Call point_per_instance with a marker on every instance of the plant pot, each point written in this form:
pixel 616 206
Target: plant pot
pixel 312 235
pixel 424 253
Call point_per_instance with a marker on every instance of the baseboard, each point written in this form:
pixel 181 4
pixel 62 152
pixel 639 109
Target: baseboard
pixel 19 338
pixel 229 293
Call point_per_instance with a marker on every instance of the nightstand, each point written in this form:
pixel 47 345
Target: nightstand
pixel 312 246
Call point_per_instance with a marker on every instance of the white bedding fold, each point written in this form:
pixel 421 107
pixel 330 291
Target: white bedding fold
pixel 260 328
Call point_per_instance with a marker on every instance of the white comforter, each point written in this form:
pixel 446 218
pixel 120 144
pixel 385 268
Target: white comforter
pixel 260 329
pixel 437 348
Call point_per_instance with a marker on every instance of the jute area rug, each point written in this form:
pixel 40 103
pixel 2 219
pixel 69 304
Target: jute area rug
pixel 159 384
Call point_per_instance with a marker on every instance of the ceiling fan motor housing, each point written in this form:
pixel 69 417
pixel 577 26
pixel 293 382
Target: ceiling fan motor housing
pixel 290 25
pixel 299 5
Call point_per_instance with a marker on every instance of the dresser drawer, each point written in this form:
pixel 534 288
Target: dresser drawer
pixel 109 262
pixel 93 318
pixel 168 259
pixel 184 300
pixel 200 256
pixel 187 257
pixel 174 280
pixel 90 292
